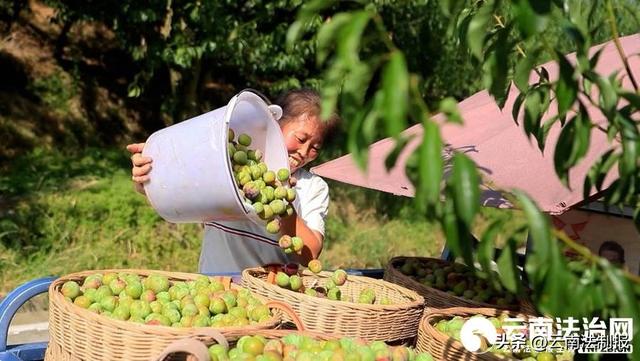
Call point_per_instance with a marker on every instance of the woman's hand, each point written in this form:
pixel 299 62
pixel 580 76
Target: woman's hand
pixel 141 166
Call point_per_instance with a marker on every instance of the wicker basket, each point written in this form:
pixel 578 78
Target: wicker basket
pixel 435 298
pixel 183 349
pixel 443 347
pixel 395 322
pixel 188 347
pixel 79 334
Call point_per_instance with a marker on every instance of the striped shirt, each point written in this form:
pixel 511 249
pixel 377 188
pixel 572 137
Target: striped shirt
pixel 234 246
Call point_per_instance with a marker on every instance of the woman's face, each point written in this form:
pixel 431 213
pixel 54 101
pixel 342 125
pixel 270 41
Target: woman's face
pixel 303 139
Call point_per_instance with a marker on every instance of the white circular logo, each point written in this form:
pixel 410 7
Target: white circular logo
pixel 474 330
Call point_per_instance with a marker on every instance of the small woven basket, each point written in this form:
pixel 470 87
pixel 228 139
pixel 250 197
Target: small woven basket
pixel 443 347
pixel 395 322
pixel 79 334
pixel 435 298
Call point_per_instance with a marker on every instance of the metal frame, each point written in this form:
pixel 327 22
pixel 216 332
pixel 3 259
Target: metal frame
pixel 8 308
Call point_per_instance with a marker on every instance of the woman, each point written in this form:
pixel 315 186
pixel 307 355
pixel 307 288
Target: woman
pixel 234 246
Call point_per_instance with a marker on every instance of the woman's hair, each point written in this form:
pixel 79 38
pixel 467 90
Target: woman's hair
pixel 299 102
pixel 613 247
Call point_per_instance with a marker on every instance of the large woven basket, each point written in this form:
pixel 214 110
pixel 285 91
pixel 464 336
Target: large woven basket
pixel 395 322
pixel 435 298
pixel 79 334
pixel 195 350
pixel 443 347
pixel 186 346
pixel 190 348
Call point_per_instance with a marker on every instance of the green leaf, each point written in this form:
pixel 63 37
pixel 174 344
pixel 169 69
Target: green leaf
pixel 496 67
pixel 632 98
pixel 330 90
pixel 567 86
pixel 354 141
pixel 327 34
pixel 456 232
pixel 461 26
pixel 399 144
pixel 294 33
pixel 313 7
pixel 624 293
pixel 543 132
pixel 350 36
pixel 541 7
pixel 597 297
pixel 430 165
pixel 355 85
pixel 465 184
pixel 598 171
pixel 446 6
pixel 532 112
pixel 595 58
pixel 450 7
pixel 395 87
pixel 613 194
pixel 370 126
pixel 507 267
pixel 573 144
pixel 517 104
pixel 539 235
pixel 477 30
pixel 523 71
pixel 449 106
pixel 134 91
pixel 576 33
pixel 608 95
pixel 529 22
pixel 555 292
pixel 629 160
pixel 486 247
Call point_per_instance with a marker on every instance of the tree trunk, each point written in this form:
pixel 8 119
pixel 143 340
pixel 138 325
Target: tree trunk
pixel 62 38
pixel 189 103
pixel 18 5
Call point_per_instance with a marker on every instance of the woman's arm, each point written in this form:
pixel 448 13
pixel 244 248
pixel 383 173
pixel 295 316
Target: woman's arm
pixel 294 225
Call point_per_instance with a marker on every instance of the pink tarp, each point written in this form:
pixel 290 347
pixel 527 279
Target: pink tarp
pixel 506 158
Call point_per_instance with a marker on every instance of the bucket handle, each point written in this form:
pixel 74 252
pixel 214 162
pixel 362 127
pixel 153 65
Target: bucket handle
pixel 275 110
pixel 258 93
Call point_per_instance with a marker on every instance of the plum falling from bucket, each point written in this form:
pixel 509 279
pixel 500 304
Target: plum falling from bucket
pixel 268 192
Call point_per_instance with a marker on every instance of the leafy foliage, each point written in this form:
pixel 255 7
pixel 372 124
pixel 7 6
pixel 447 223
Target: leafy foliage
pixel 183 50
pixel 506 40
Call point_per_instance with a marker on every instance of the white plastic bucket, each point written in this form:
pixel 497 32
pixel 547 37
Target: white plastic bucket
pixel 191 178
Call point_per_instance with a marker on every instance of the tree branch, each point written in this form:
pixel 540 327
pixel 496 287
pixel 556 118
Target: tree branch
pixel 616 40
pixel 586 253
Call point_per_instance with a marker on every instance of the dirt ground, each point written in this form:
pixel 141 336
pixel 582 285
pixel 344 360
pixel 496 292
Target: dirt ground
pixel 77 96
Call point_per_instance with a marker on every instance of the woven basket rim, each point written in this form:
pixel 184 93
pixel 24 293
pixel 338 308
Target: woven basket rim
pixel 56 296
pixel 463 311
pixel 434 315
pixel 414 299
pixel 396 273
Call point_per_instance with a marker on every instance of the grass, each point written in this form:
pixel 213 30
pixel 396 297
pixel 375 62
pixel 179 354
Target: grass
pixel 62 212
